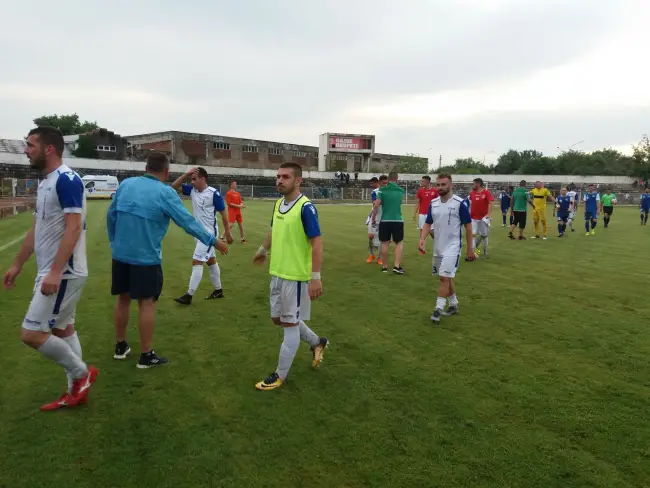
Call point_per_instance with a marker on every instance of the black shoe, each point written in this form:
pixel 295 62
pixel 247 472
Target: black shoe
pixel 451 310
pixel 398 270
pixel 561 234
pixel 521 238
pixel 573 230
pixel 122 350
pixel 435 316
pixel 151 359
pixel 184 300
pixel 510 236
pixel 384 269
pixel 215 294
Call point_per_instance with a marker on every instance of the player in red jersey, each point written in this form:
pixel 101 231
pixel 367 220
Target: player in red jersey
pixel 480 201
pixel 426 193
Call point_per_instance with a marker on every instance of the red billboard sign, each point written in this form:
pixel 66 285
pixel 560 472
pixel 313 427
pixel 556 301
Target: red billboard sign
pixel 349 143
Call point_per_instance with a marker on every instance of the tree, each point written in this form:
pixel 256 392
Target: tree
pixel 86 148
pixel 68 124
pixel 411 164
pixel 641 158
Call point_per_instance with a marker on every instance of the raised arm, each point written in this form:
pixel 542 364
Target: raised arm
pixel 178 183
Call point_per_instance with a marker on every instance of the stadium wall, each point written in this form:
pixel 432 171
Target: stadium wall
pixel 16 165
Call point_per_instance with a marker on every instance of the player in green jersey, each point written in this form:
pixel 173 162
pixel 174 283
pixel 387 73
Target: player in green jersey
pixel 607 202
pixel 519 205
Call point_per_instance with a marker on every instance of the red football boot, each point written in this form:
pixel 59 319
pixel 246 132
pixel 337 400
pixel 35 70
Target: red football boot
pixel 81 386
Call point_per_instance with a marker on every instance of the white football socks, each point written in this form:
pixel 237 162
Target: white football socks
pixel 75 345
pixel 440 303
pixel 288 351
pixel 58 350
pixel 215 276
pixel 195 279
pixel 308 335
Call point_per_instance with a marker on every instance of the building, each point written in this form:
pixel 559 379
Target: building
pixel 234 152
pixel 106 143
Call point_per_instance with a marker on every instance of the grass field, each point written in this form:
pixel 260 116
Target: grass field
pixel 542 381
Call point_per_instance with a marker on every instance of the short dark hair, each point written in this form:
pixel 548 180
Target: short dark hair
pixel 443 175
pixel 393 176
pixel 50 136
pixel 510 188
pixel 295 167
pixel 478 180
pixel 157 162
pixel 383 178
pixel 426 177
pixel 202 173
pixel 374 179
pixel 233 181
pixel 522 183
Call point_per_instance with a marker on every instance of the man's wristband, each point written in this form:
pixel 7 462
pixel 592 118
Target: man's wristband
pixel 315 276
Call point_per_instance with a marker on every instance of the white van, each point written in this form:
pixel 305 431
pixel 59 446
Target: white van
pixel 100 186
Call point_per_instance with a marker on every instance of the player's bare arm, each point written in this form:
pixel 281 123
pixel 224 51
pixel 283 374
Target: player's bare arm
pixel 316 285
pixel 417 208
pixel 375 208
pixel 469 244
pixel 260 255
pixel 426 228
pixel 71 234
pixel 176 185
pixel 226 226
pixel 26 250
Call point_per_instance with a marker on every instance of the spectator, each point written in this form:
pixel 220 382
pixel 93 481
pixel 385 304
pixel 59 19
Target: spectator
pixel 356 176
pixel 347 178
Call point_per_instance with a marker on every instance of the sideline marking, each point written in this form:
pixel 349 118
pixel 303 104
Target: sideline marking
pixel 11 243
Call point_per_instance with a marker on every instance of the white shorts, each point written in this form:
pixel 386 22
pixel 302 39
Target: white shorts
pixel 480 227
pixel 445 266
pixel 373 229
pixel 422 219
pixel 55 311
pixel 572 215
pixel 202 252
pixel 290 300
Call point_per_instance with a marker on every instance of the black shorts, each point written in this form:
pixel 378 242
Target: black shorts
pixel 391 231
pixel 519 219
pixel 608 210
pixel 140 282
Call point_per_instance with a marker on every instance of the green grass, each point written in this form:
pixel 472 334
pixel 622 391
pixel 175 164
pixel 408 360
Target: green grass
pixel 541 382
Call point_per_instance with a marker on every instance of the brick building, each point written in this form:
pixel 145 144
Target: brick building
pixel 234 152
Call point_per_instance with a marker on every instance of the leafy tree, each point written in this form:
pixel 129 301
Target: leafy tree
pixel 411 164
pixel 86 148
pixel 68 124
pixel 641 158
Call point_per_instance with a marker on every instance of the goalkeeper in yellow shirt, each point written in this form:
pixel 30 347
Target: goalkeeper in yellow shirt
pixel 540 195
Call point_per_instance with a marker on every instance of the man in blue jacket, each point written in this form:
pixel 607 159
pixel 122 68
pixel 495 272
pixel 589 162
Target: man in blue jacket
pixel 137 221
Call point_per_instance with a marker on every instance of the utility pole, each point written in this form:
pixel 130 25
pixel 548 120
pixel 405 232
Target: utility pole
pixel 439 162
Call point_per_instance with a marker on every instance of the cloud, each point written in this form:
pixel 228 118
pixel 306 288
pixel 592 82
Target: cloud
pixel 290 70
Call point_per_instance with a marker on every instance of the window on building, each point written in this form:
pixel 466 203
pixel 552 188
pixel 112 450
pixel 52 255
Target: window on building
pixel 250 149
pixel 274 151
pixel 315 155
pixel 300 154
pixel 224 146
pixel 107 148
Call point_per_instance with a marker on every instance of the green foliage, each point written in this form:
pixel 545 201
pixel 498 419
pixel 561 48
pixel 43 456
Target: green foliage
pixel 605 162
pixel 68 124
pixel 86 148
pixel 411 164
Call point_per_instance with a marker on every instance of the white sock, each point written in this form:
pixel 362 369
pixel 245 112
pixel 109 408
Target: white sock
pixel 570 222
pixel 308 335
pixel 440 303
pixel 195 279
pixel 288 351
pixel 58 350
pixel 477 241
pixel 453 300
pixel 485 244
pixel 75 345
pixel 215 276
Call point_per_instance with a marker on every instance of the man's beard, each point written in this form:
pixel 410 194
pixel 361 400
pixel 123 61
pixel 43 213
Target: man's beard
pixel 37 162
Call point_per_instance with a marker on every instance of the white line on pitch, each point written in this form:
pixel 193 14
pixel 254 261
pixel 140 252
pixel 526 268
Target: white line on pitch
pixel 11 243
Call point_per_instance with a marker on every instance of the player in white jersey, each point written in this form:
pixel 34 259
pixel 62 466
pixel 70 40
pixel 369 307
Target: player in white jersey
pixel 58 239
pixel 206 202
pixel 448 215
pixel 373 231
pixel 573 195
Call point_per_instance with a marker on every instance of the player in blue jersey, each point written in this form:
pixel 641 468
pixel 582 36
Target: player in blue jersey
pixel 505 198
pixel 592 201
pixel 645 206
pixel 563 205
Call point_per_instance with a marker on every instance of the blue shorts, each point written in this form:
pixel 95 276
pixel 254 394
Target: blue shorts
pixel 505 210
pixel 591 215
pixel 563 217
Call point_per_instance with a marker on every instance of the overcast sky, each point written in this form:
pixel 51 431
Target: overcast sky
pixel 453 77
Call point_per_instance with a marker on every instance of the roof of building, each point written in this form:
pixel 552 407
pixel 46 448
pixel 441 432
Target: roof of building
pixel 14 146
